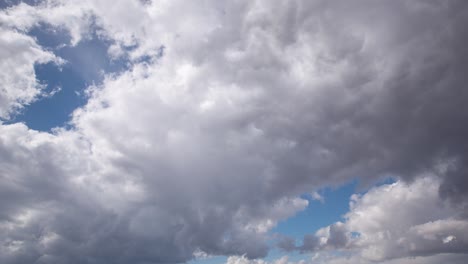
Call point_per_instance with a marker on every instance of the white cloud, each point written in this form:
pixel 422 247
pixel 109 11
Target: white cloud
pixel 76 19
pixel 18 55
pixel 244 260
pixel 402 219
pixel 326 258
pixel 435 259
pixel 318 197
pixel 396 220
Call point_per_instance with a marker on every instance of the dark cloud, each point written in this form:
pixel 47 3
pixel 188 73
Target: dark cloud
pixel 337 237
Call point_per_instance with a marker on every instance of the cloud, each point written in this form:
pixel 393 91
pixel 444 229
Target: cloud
pixel 333 259
pixel 393 221
pixel 208 146
pixel 441 258
pixel 408 220
pixel 244 260
pixel 18 55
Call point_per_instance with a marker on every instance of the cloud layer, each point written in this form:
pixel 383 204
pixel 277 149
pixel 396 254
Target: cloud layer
pixel 225 117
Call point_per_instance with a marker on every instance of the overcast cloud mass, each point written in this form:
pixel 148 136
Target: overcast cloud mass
pixel 225 113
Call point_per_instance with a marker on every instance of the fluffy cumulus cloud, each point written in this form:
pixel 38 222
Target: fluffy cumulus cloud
pixel 394 221
pixel 227 112
pixel 18 55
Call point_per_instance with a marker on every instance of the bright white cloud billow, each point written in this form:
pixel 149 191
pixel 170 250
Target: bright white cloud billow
pixel 395 221
pixel 226 113
pixel 18 55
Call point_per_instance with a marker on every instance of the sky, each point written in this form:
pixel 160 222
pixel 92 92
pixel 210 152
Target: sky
pixel 233 132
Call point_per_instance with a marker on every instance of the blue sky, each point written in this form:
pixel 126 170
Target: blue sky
pixel 233 132
pixel 85 65
pixel 319 214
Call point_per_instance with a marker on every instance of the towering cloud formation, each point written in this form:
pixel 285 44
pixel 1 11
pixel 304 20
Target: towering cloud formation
pixel 228 111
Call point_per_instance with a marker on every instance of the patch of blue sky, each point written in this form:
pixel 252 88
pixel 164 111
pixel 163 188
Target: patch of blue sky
pixel 318 214
pixel 332 209
pixel 86 64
